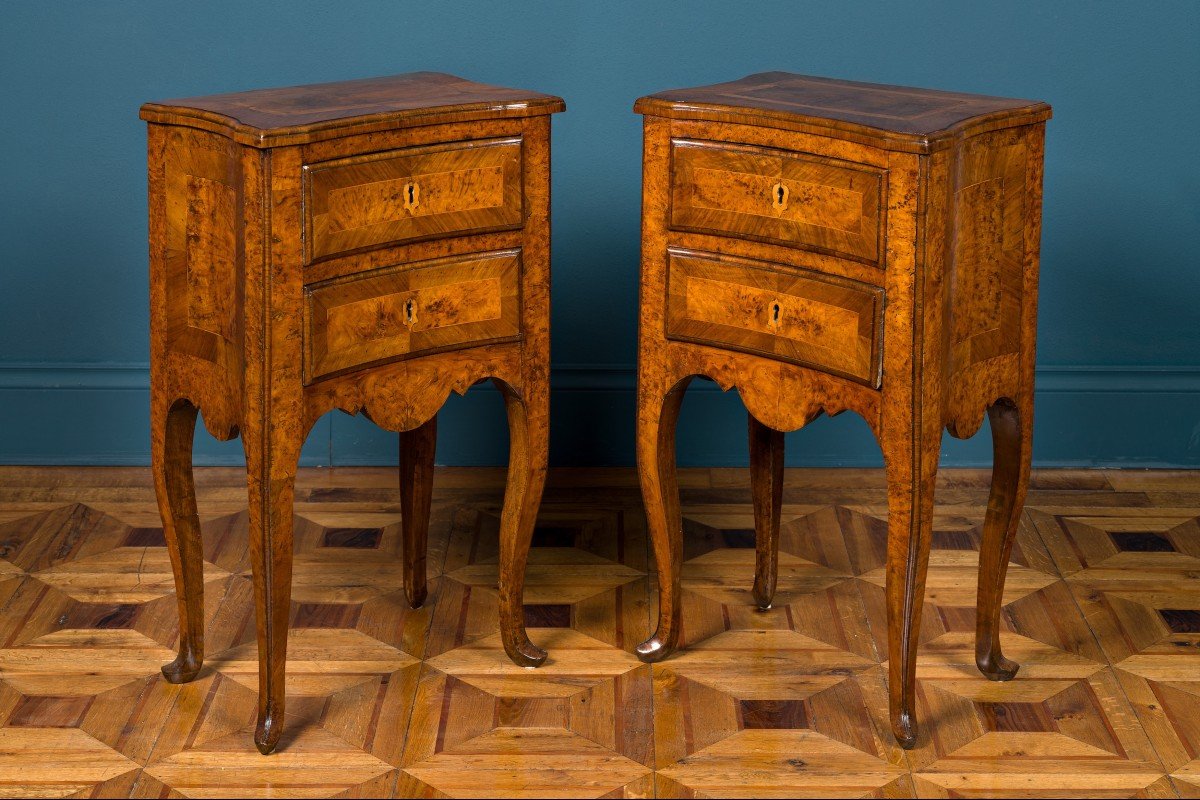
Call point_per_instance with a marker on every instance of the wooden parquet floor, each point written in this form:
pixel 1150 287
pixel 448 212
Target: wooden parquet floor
pixel 1102 610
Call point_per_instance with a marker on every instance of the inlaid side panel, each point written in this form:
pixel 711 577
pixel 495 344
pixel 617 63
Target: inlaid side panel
pixel 415 193
pixel 777 196
pixel 398 311
pixel 203 231
pixel 989 248
pixel 210 227
pixel 794 315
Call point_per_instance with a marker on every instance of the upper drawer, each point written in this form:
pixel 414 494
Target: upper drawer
pixel 381 199
pixel 777 196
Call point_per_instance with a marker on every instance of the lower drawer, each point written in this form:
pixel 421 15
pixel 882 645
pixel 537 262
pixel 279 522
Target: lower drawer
pixel 386 314
pixel 803 317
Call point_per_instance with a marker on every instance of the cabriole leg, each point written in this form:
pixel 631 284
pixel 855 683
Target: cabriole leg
pixel 911 475
pixel 766 486
pixel 528 426
pixel 271 462
pixel 1012 451
pixel 417 448
pixel 658 414
pixel 172 427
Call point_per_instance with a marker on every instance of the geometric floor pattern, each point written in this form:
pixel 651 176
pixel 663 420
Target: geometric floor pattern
pixel 1102 610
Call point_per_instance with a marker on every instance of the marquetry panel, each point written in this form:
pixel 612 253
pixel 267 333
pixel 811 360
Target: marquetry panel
pixel 525 762
pixel 57 762
pixel 586 572
pixel 202 255
pixel 1101 612
pixel 380 199
pixel 577 726
pixel 798 316
pixel 122 575
pixel 315 763
pixel 777 196
pixel 1132 571
pixel 377 316
pixel 989 248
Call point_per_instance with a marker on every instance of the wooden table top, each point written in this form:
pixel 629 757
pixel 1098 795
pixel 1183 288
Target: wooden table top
pixel 302 114
pixel 897 117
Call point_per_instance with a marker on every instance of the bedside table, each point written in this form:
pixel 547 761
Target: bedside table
pixel 369 246
pixel 822 246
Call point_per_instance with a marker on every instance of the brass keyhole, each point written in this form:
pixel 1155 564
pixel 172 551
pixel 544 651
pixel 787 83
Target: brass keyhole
pixel 775 313
pixel 412 196
pixel 779 196
pixel 410 313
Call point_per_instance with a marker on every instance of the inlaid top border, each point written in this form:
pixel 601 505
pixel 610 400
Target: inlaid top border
pixel 892 117
pixel 302 114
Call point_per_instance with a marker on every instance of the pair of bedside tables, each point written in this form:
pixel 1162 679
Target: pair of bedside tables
pixel 373 245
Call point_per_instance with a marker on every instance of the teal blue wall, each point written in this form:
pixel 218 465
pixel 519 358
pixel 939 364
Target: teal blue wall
pixel 1119 350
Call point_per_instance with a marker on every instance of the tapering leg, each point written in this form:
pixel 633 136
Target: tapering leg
pixel 172 426
pixel 1011 447
pixel 658 414
pixel 766 486
pixel 417 449
pixel 271 462
pixel 529 434
pixel 911 474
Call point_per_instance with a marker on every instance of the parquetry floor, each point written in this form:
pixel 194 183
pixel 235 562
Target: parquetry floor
pixel 1103 612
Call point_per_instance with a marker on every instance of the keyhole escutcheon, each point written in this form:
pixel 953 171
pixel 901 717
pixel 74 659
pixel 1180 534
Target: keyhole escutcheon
pixel 774 313
pixel 410 312
pixel 779 196
pixel 412 196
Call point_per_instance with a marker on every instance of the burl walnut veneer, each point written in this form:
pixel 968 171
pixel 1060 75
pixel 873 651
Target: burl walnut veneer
pixel 825 245
pixel 368 246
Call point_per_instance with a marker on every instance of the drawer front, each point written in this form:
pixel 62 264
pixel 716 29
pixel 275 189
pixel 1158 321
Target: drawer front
pixel 390 313
pixel 821 321
pixel 383 199
pixel 777 196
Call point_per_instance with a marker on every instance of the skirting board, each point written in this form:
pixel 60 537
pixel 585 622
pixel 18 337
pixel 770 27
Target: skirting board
pixel 85 414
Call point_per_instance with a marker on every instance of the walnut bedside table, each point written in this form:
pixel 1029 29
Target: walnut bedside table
pixel 368 246
pixel 824 245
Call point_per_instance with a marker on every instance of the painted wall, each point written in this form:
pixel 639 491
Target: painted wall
pixel 1119 351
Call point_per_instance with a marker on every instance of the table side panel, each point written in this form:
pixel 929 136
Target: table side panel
pixel 205 203
pixel 992 262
